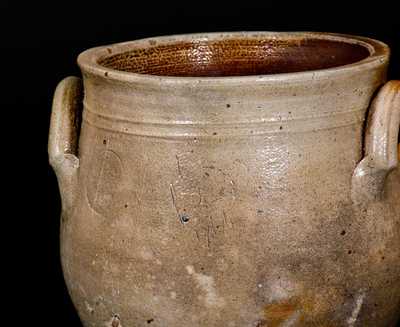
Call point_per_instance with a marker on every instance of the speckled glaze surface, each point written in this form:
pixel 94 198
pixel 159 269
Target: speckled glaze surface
pixel 230 180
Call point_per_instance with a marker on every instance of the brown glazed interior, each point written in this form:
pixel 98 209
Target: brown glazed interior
pixel 236 57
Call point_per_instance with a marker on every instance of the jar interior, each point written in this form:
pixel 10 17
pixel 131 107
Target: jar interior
pixel 236 57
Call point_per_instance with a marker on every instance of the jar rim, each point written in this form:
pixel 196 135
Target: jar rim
pixel 89 60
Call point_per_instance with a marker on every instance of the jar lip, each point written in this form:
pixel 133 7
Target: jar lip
pixel 88 60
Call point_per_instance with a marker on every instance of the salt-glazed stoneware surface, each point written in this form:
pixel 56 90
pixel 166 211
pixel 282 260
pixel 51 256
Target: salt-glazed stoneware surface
pixel 231 179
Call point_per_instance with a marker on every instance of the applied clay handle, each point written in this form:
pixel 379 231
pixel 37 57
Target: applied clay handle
pixel 64 135
pixel 381 145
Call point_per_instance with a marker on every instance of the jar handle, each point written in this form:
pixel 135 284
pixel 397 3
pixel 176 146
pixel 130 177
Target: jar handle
pixel 381 145
pixel 63 137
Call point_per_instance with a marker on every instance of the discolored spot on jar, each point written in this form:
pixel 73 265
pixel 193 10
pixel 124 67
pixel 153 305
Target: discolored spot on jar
pixel 310 308
pixel 278 314
pixel 115 321
pixel 208 286
pixel 89 308
pixel 184 218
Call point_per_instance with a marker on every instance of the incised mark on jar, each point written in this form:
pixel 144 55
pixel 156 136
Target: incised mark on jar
pixel 104 180
pixel 201 186
pixel 182 215
pixel 214 228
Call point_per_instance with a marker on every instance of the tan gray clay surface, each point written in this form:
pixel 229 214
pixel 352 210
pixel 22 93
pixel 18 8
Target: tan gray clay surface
pixel 230 180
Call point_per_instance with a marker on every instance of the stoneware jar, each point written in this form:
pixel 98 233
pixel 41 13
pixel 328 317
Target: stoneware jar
pixel 231 179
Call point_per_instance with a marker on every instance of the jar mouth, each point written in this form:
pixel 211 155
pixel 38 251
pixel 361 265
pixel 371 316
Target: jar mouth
pixel 232 55
pixel 236 57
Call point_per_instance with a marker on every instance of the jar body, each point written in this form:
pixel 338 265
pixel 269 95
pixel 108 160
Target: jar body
pixel 215 229
pixel 208 233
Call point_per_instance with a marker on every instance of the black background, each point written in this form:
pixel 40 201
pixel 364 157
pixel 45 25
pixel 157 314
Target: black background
pixel 39 46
